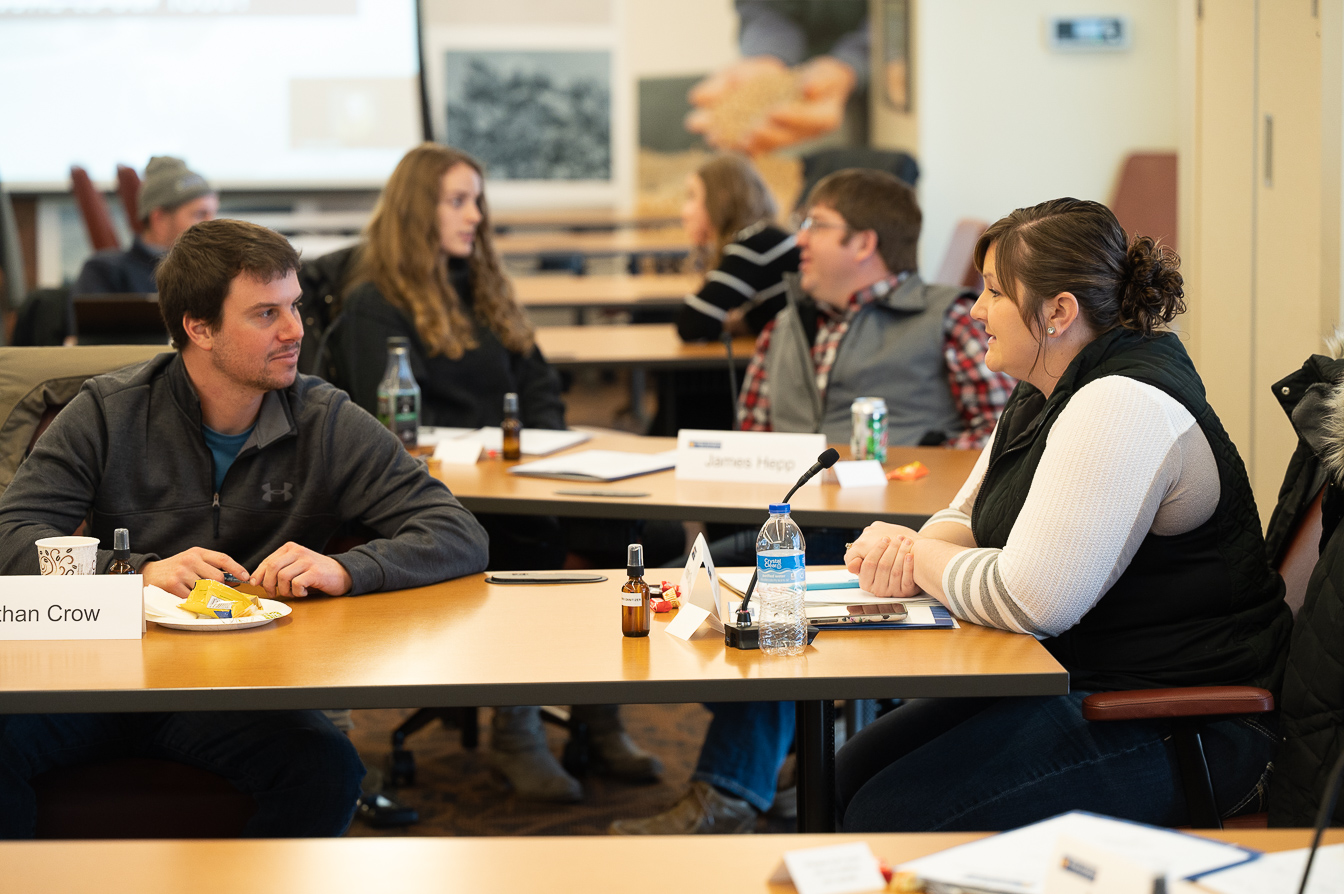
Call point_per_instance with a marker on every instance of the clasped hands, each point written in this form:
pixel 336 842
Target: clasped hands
pixel 883 558
pixel 290 571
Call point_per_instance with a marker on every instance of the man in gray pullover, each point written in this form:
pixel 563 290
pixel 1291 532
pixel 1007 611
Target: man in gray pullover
pixel 221 458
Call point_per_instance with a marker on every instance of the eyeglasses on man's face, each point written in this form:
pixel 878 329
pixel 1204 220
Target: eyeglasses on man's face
pixel 811 223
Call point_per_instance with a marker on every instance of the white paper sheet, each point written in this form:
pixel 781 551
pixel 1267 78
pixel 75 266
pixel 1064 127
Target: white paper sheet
pixel 597 465
pixel 1016 862
pixel 1281 873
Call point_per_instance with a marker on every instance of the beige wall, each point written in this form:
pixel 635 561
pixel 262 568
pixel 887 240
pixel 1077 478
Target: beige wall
pixel 1004 121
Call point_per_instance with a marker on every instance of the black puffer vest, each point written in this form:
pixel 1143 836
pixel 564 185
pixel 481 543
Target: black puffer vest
pixel 1196 609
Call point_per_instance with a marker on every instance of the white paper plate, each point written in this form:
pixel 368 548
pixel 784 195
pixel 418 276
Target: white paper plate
pixel 161 607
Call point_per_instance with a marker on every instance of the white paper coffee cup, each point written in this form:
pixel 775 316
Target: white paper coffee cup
pixel 67 555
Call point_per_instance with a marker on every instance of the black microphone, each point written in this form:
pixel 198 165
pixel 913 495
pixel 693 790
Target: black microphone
pixel 727 338
pixel 825 461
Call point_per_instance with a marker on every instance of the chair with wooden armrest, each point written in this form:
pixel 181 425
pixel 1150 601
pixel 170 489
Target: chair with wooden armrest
pixel 120 797
pixel 1188 708
pixel 128 188
pixel 93 208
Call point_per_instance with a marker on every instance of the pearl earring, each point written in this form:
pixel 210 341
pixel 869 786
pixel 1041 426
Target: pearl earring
pixel 1050 330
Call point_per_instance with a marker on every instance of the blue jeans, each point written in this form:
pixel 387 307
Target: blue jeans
pixel 302 771
pixel 744 747
pixel 979 764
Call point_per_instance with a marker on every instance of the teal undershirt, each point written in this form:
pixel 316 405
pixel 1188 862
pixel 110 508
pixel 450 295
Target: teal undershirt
pixel 225 449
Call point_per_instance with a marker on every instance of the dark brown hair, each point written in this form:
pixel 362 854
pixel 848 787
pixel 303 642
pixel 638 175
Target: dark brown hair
pixel 1077 246
pixel 402 255
pixel 877 201
pixel 735 198
pixel 194 277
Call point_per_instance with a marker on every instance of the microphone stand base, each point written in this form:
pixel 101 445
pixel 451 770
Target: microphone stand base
pixel 746 638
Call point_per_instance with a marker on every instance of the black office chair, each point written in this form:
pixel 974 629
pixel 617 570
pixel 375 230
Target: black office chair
pixel 11 262
pixel 575 759
pixel 1294 545
pixel 322 280
pixel 124 797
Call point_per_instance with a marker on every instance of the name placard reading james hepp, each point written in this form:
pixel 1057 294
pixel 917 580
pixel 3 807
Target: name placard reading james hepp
pixel 72 607
pixel 743 456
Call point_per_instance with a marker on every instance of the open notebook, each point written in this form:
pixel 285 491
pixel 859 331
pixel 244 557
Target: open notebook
pixel 830 591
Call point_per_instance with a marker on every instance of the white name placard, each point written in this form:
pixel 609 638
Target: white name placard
pixel 75 606
pixel 747 456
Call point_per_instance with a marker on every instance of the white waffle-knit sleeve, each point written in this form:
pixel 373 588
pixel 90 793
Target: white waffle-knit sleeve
pixel 1119 451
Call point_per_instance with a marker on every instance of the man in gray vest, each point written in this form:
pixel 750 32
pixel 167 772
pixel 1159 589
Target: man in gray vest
pixel 867 326
pixel 860 322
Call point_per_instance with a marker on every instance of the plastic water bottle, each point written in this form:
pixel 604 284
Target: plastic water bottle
pixel 781 583
pixel 398 394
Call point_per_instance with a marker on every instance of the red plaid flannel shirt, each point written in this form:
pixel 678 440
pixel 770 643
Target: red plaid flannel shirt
pixel 980 393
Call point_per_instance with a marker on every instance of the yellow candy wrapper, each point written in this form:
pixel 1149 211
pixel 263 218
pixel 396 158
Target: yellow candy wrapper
pixel 212 599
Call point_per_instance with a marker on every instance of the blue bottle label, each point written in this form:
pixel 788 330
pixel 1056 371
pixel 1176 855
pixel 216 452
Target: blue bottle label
pixel 776 568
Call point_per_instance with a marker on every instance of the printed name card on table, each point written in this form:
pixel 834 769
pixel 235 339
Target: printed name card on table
pixel 458 453
pixel 76 606
pixel 857 473
pixel 746 456
pixel 698 607
pixel 833 869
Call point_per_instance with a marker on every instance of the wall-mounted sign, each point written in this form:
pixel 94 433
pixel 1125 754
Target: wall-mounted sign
pixel 1088 34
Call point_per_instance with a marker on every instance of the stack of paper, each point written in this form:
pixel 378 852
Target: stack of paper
pixel 1017 862
pixel 830 592
pixel 597 465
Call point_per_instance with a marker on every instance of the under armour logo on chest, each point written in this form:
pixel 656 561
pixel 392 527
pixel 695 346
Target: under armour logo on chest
pixel 271 494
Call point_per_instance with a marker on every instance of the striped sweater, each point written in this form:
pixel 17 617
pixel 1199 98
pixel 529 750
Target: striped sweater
pixel 751 270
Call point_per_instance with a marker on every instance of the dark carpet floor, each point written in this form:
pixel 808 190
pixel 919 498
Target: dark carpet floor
pixel 457 793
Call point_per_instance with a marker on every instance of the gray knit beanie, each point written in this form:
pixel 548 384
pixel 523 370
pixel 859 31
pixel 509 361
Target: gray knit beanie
pixel 168 183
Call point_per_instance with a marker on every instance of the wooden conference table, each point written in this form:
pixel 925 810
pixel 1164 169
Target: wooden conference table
pixel 487 486
pixel 705 864
pixel 466 643
pixel 577 219
pixel 644 345
pixel 660 240
pixel 638 348
pixel 618 292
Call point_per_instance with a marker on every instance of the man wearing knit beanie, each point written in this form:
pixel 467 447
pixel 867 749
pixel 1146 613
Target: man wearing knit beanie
pixel 172 198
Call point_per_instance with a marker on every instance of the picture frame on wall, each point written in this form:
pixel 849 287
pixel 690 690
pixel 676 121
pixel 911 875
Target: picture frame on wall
pixel 897 71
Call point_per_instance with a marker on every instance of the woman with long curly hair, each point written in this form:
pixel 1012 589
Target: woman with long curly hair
pixel 427 270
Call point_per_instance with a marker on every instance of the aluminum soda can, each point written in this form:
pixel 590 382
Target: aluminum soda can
pixel 868 437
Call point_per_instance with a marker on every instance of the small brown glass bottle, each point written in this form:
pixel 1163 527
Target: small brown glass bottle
pixel 121 553
pixel 635 611
pixel 511 428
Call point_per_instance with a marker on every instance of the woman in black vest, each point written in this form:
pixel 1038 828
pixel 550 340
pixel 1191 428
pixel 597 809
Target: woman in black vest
pixel 1111 517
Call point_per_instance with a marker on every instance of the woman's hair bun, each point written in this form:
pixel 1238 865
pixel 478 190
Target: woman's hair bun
pixel 1153 292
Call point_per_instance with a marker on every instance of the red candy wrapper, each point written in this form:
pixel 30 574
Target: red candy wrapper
pixel 660 605
pixel 908 472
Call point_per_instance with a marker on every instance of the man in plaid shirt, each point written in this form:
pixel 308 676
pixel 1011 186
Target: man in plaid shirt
pixel 864 328
pixel 867 326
